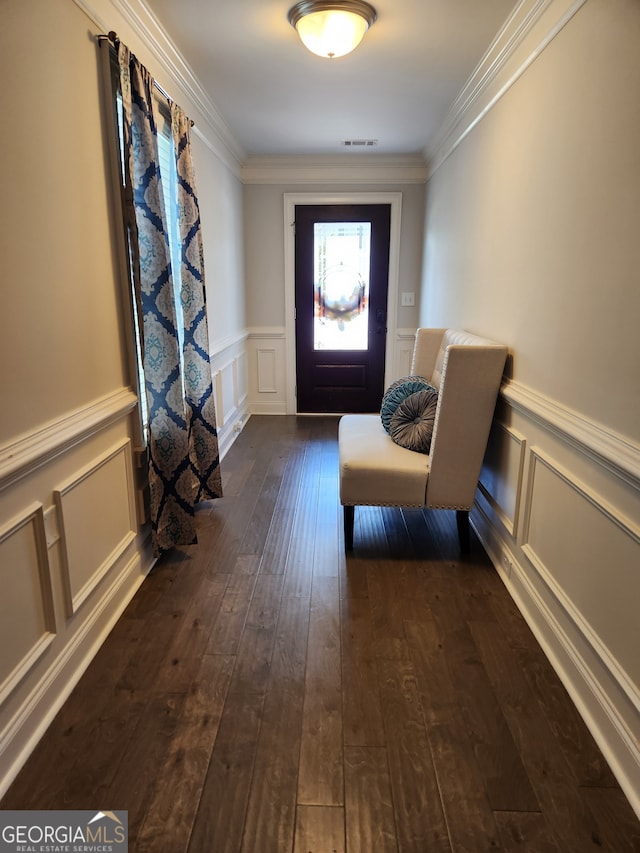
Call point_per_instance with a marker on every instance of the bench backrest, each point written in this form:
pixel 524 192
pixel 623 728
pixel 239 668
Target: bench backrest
pixel 467 370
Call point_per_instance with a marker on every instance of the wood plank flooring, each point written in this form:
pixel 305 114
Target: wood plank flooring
pixel 262 693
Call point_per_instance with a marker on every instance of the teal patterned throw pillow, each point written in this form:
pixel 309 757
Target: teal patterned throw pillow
pixel 397 392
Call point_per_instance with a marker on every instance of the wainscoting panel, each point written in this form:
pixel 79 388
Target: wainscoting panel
pixel 501 475
pixel 570 536
pixel 229 370
pixel 268 373
pixel 71 558
pixel 21 457
pixel 405 341
pixel 26 589
pixel 241 390
pixel 267 378
pixel 226 405
pixel 272 378
pixel 98 520
pixel 557 510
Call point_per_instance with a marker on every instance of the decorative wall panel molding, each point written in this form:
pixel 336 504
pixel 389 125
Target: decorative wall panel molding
pixel 230 384
pixel 227 393
pixel 502 472
pixel 272 369
pixel 31 450
pixel 267 379
pixel 601 697
pixel 240 379
pixel 98 522
pixel 51 528
pixel 557 513
pixel 606 447
pixel 572 566
pixel 27 617
pixel 405 339
pixel 267 374
pixel 24 723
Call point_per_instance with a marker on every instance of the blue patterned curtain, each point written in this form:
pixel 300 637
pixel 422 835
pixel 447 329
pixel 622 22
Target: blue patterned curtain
pixel 184 466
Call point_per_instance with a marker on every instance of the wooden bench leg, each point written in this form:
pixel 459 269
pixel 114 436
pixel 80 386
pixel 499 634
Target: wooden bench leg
pixel 349 516
pixel 462 520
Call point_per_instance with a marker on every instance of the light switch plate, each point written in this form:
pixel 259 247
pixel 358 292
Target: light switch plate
pixel 408 299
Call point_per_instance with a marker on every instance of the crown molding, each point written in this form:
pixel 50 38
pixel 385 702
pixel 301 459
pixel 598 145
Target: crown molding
pixel 156 39
pixel 383 170
pixel 142 22
pixel 527 32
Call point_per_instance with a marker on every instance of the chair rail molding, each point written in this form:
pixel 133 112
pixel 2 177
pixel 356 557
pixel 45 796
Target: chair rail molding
pixel 605 446
pixel 31 450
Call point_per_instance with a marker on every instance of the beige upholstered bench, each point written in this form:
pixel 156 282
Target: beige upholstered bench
pixel 375 471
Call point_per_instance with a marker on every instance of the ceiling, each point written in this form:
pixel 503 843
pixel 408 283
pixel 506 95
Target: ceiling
pixel 279 99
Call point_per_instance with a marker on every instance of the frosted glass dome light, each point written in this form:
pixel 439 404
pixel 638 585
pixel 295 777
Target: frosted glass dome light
pixel 331 29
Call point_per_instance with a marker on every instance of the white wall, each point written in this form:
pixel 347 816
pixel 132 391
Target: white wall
pixel 221 212
pixel 532 224
pixel 72 547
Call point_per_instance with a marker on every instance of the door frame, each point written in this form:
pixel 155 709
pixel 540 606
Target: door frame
pixel 394 199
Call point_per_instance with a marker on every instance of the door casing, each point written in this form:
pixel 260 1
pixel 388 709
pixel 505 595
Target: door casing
pixel 394 199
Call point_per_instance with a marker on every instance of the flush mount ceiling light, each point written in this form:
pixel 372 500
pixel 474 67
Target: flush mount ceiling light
pixel 331 29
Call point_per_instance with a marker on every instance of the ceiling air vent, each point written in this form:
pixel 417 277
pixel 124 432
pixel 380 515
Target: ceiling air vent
pixel 359 143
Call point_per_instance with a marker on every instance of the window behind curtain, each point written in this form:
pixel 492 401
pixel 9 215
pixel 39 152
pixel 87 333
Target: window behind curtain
pixel 170 192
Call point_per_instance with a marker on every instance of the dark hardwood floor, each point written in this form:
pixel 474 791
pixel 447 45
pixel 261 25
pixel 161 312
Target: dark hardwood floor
pixel 263 693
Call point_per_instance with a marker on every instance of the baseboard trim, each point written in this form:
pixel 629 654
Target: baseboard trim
pixel 592 684
pixel 24 730
pixel 279 407
pixel 228 434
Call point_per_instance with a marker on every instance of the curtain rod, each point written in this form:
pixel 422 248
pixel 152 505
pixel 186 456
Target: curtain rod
pixel 112 36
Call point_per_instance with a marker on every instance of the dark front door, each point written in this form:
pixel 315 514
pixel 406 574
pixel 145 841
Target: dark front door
pixel 341 283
